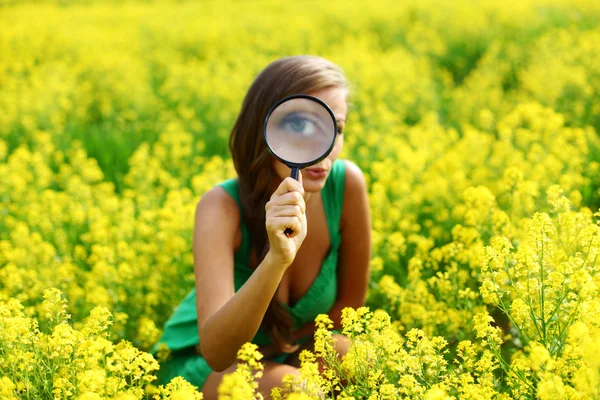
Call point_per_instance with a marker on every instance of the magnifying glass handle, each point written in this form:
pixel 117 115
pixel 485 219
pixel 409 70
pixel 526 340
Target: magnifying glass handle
pixel 295 170
pixel 295 173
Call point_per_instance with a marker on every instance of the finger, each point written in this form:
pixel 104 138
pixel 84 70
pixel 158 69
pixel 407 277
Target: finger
pixel 290 198
pixel 288 185
pixel 292 224
pixel 280 224
pixel 286 210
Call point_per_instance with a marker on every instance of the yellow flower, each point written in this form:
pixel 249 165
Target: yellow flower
pixel 436 393
pixel 7 388
pixel 490 335
pixel 539 355
pixel 551 387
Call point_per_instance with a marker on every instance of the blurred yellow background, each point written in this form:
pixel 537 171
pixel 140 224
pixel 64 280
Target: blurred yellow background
pixel 465 115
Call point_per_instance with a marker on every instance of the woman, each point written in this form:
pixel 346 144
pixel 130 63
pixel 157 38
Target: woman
pixel 253 282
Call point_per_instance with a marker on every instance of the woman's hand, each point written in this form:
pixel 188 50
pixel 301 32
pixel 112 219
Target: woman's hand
pixel 286 209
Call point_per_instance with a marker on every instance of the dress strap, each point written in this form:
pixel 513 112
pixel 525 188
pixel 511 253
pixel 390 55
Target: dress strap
pixel 231 186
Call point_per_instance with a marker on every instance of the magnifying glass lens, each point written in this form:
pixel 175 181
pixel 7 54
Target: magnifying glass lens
pixel 300 131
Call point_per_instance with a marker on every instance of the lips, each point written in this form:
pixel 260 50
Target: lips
pixel 316 173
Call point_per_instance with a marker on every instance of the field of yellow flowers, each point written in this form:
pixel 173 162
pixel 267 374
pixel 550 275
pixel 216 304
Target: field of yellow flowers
pixel 476 123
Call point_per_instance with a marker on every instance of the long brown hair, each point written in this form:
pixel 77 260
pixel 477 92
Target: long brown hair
pixel 253 162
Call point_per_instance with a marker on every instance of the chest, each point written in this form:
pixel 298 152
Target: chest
pixel 305 269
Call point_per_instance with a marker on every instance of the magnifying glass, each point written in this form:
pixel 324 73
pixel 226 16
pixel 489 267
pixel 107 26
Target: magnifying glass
pixel 300 131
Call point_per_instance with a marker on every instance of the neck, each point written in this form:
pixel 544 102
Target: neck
pixel 307 197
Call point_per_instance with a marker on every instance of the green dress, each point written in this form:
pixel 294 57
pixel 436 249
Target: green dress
pixel 180 332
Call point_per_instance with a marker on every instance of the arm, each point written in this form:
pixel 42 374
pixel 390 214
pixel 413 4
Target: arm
pixel 355 250
pixel 224 322
pixel 228 319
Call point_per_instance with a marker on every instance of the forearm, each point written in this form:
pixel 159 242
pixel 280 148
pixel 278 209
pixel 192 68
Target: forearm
pixel 238 320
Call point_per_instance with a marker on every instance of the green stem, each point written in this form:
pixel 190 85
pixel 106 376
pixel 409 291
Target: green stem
pixel 506 367
pixel 542 290
pixel 558 305
pixel 563 329
pixel 512 321
pixel 514 286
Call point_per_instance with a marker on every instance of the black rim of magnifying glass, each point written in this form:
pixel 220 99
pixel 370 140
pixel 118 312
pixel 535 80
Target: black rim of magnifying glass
pixel 316 160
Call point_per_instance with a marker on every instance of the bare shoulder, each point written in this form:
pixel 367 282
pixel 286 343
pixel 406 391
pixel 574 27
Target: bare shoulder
pixel 356 183
pixel 217 215
pixel 217 199
pixel 355 193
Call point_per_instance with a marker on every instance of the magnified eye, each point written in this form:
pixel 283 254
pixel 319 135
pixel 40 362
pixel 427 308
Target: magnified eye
pixel 299 123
